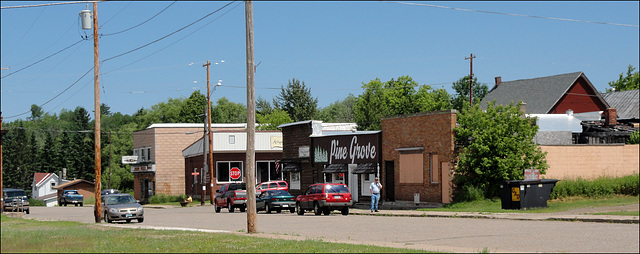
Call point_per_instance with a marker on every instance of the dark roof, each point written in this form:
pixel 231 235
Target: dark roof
pixel 336 168
pixel 540 94
pixel 625 103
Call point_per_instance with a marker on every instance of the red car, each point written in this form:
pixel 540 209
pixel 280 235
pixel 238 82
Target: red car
pixel 323 198
pixel 272 185
pixel 231 196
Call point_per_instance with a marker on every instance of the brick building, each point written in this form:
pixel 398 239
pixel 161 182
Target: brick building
pixel 160 166
pixel 417 153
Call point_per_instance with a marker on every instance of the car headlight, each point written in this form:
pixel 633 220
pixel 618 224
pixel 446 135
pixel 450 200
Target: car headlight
pixel 113 210
pixel 140 209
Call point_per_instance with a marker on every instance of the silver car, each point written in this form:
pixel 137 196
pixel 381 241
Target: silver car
pixel 122 207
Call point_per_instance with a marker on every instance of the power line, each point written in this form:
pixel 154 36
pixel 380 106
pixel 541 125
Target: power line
pixel 511 14
pixel 112 17
pixel 49 4
pixel 140 23
pixel 42 59
pixel 164 37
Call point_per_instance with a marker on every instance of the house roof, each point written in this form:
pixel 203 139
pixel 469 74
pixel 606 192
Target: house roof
pixel 625 103
pixel 540 94
pixel 48 197
pixel 74 182
pixel 40 178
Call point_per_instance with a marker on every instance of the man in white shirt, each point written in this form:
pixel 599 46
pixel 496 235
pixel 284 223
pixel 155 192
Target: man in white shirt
pixel 375 188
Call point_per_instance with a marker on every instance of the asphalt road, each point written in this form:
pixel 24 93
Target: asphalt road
pixel 434 234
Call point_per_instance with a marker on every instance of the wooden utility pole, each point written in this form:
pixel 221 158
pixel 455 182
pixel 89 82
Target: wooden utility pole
pixel 210 154
pixel 97 210
pixel 470 58
pixel 1 180
pixel 251 123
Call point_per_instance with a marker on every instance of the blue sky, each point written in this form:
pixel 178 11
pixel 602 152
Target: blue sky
pixel 333 47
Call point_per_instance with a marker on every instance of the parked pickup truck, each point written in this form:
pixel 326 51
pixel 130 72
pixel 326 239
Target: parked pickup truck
pixel 231 196
pixel 71 197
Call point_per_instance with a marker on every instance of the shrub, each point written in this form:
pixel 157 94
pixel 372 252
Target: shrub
pixel 469 193
pixel 162 198
pixel 599 187
pixel 36 202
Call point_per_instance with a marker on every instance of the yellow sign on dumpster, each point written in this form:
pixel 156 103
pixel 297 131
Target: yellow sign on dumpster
pixel 515 194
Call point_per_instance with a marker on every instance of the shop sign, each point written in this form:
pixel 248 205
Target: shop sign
pixel 303 152
pixel 129 159
pixel 347 149
pixel 143 168
pixel 276 141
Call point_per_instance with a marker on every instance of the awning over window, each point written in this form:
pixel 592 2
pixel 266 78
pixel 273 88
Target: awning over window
pixel 336 168
pixel 366 168
pixel 292 167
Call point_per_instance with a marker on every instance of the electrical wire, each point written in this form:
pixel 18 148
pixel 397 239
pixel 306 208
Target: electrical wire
pixel 511 14
pixel 49 4
pixel 138 24
pixel 23 68
pixel 25 32
pixel 69 87
pixel 164 37
pixel 112 17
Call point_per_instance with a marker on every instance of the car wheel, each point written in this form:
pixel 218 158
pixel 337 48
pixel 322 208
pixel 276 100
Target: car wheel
pixel 140 220
pixel 292 210
pixel 106 218
pixel 65 204
pixel 326 211
pixel 128 221
pixel 216 207
pixel 76 204
pixel 230 207
pixel 278 210
pixel 267 208
pixel 345 211
pixel 81 204
pixel 27 211
pixel 242 209
pixel 300 211
pixel 316 209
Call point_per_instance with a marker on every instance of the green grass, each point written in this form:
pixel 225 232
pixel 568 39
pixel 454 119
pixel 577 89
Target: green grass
pixel 623 213
pixel 555 205
pixel 22 235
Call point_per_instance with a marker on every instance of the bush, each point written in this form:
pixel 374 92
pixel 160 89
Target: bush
pixel 599 187
pixel 36 202
pixel 162 198
pixel 469 193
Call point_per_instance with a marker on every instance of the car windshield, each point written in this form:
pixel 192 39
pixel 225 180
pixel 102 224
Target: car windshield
pixel 16 194
pixel 118 200
pixel 336 189
pixel 280 193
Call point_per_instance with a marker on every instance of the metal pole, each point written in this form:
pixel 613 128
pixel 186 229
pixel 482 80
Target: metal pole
pixel 97 211
pixel 251 123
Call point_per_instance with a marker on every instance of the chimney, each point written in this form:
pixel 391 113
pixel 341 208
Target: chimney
pixel 610 117
pixel 498 80
pixel 64 173
pixel 523 108
pixel 59 177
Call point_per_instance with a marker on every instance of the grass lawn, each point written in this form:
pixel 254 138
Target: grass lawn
pixel 555 205
pixel 22 235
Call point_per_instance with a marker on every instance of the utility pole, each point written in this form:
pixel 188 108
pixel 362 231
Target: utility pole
pixel 251 122
pixel 470 58
pixel 204 157
pixel 110 153
pixel 210 136
pixel 1 180
pixel 97 210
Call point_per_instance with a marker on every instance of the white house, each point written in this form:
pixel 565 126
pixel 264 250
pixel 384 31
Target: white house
pixel 42 187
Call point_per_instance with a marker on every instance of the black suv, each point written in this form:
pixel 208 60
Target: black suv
pixel 15 200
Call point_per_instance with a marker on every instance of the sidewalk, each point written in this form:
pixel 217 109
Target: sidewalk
pixel 407 212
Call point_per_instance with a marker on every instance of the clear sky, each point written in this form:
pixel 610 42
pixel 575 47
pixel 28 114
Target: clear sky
pixel 333 47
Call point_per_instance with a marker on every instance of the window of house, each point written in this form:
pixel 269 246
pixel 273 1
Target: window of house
pixel 232 139
pixel 223 168
pixel 148 153
pixel 411 168
pixel 53 184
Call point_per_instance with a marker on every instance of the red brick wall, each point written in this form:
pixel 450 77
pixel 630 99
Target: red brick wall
pixel 434 132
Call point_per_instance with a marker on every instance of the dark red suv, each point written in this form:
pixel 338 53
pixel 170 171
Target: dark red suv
pixel 323 198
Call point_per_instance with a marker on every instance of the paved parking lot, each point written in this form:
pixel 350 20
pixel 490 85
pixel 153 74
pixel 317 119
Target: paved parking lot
pixel 428 233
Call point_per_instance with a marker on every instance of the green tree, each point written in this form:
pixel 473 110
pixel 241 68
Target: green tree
pixel 462 92
pixel 273 120
pixel 193 108
pixel 341 111
pixel 228 112
pixel 36 112
pixel 263 106
pixel 297 101
pixel 630 81
pixel 395 97
pixel 497 145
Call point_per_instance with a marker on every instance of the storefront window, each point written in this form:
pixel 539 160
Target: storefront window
pixel 223 169
pixel 266 171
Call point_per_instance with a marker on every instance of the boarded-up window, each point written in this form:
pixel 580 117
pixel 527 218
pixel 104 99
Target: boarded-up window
pixel 411 170
pixel 433 166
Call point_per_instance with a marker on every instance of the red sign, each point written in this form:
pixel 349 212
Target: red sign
pixel 234 173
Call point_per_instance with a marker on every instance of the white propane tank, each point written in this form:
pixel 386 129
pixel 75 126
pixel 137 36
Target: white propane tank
pixel 85 16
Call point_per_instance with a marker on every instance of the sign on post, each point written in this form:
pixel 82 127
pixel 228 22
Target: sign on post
pixel 235 173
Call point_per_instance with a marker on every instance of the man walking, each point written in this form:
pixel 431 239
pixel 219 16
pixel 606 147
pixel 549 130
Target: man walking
pixel 375 188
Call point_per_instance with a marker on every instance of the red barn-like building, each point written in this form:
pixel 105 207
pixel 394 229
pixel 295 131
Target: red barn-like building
pixel 549 95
